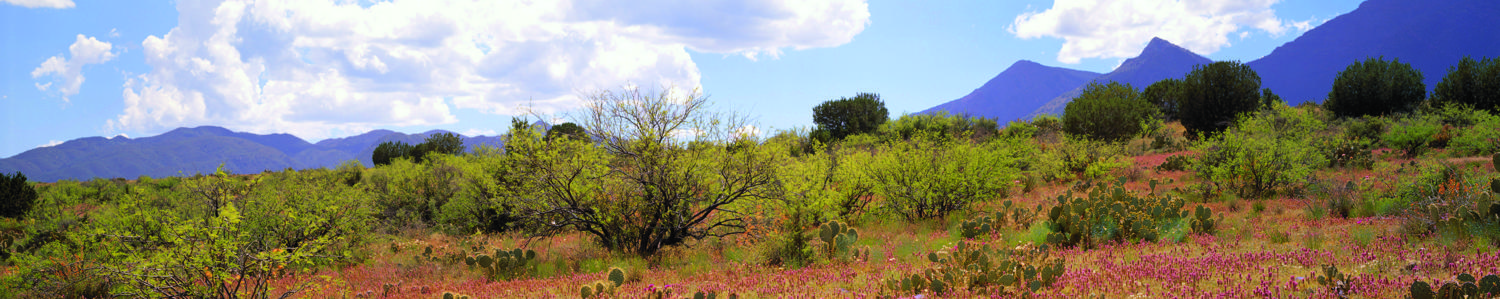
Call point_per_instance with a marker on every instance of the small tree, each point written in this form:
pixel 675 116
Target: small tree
pixel 568 130
pixel 16 195
pixel 1110 112
pixel 1214 95
pixel 441 143
pixel 1165 96
pixel 640 188
pixel 389 151
pixel 1475 83
pixel 864 113
pixel 1375 87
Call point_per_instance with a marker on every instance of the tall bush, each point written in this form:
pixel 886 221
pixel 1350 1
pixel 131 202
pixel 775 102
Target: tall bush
pixel 1471 82
pixel 1272 151
pixel 928 178
pixel 17 196
pixel 1214 95
pixel 1110 112
pixel 1375 87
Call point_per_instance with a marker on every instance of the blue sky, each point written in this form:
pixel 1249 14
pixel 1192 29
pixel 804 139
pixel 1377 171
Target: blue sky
pixel 321 69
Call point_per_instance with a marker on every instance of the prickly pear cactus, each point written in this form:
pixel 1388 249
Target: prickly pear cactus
pixel 617 276
pixel 838 239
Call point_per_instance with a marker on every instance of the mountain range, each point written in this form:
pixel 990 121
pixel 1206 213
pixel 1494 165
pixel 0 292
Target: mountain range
pixel 186 151
pixel 1429 35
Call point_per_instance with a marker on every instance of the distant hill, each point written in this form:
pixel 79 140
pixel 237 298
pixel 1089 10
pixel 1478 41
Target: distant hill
pixel 186 151
pixel 1159 60
pixel 1016 92
pixel 1429 35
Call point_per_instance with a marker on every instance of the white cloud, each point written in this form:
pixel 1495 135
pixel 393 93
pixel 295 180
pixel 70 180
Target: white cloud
pixel 315 67
pixel 68 72
pixel 472 132
pixel 50 144
pixel 1119 29
pixel 41 3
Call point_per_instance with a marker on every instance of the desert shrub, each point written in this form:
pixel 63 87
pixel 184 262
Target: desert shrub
pixel 411 194
pixel 1375 87
pixel 1366 127
pixel 1111 112
pixel 1269 152
pixel 1176 163
pixel 1471 82
pixel 928 178
pixel 1351 152
pixel 485 200
pixel 1411 135
pixel 976 269
pixel 791 249
pixel 1112 213
pixel 222 237
pixel 1483 138
pixel 17 196
pixel 639 188
pixel 1048 128
pixel 864 113
pixel 1214 95
pixel 1079 157
pixel 566 130
pixel 940 125
pixel 1165 96
pixel 1451 200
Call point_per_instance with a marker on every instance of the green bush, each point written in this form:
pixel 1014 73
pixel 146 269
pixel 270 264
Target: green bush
pixel 17 196
pixel 1375 87
pixel 1112 112
pixel 1480 139
pixel 567 130
pixel 1214 95
pixel 1473 83
pixel 1351 152
pixel 940 125
pixel 1269 152
pixel 926 178
pixel 1165 96
pixel 1411 135
pixel 1077 157
pixel 864 113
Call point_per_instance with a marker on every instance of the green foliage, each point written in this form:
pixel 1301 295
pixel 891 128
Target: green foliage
pixel 389 151
pixel 439 143
pixel 926 178
pixel 17 196
pixel 640 187
pixel 976 268
pixel 1482 138
pixel 1411 135
pixel 1375 87
pixel 1473 83
pixel 940 125
pixel 790 249
pixel 1111 214
pixel 567 130
pixel 1269 152
pixel 1350 152
pixel 1175 163
pixel 1166 96
pixel 1075 157
pixel 1214 95
pixel 1112 112
pixel 410 194
pixel 504 264
pixel 864 113
pixel 221 236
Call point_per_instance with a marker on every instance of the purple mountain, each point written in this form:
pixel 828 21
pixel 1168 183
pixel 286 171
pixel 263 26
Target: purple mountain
pixel 1015 92
pixel 1429 35
pixel 186 151
pixel 1160 60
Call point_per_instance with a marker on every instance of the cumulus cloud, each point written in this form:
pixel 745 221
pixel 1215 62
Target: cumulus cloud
pixel 67 73
pixel 312 68
pixel 41 3
pixel 1119 29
